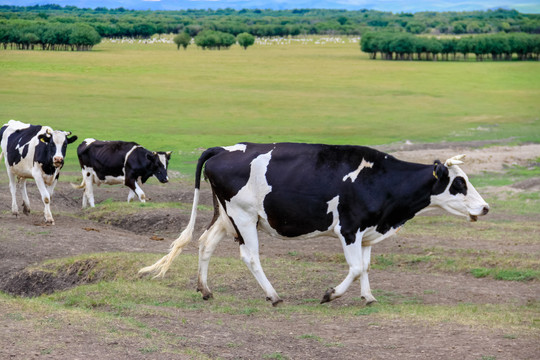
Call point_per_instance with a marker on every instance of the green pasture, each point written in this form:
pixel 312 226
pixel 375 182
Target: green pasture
pixel 186 101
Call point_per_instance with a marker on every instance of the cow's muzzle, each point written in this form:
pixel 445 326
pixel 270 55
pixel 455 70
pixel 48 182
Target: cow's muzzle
pixel 482 212
pixel 58 161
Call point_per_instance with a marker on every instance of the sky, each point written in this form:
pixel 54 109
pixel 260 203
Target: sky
pixel 396 6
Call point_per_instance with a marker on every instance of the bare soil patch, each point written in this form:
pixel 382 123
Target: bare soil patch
pixel 25 241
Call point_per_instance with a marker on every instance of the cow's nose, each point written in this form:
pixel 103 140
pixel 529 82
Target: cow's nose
pixel 485 210
pixel 58 159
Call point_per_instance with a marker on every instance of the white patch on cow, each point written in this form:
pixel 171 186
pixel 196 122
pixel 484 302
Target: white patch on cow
pixel 110 180
pixel 127 156
pixel 163 159
pixel 249 200
pixel 333 209
pixel 354 174
pixel 372 236
pixel 89 141
pixel 58 138
pixel 17 125
pixel 237 147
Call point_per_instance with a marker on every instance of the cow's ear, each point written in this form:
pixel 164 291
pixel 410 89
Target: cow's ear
pixel 72 139
pixel 45 137
pixel 150 155
pixel 440 171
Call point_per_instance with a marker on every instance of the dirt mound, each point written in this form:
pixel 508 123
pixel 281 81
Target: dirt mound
pixel 30 283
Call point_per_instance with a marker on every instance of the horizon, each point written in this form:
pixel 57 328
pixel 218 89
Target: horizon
pixel 394 6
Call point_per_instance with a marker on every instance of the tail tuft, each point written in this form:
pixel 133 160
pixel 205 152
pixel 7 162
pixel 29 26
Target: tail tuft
pixel 82 186
pixel 161 266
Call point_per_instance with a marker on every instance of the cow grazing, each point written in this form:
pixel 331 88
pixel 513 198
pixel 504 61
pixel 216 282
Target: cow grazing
pixel 357 194
pixel 33 151
pixel 119 162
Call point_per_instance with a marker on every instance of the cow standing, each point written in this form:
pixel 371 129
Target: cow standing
pixel 357 194
pixel 33 151
pixel 119 162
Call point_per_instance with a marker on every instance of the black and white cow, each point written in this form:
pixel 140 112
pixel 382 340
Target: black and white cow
pixel 33 151
pixel 357 194
pixel 119 162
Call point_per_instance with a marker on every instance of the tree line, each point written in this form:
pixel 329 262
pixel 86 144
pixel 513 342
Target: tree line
pixel 403 46
pixel 214 40
pixel 26 35
pixel 120 22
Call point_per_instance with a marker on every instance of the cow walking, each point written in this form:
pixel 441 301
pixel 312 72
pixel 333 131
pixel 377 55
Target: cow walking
pixel 119 162
pixel 357 194
pixel 33 151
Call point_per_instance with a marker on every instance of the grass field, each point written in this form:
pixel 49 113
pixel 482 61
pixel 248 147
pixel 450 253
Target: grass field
pixel 446 288
pixel 185 101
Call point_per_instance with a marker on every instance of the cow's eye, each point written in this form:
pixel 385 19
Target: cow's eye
pixel 459 186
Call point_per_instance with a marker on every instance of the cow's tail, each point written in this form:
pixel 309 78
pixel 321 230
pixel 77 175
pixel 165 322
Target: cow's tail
pixel 161 266
pixel 82 186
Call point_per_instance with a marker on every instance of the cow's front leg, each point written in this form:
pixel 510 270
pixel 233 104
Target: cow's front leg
pixel 135 189
pixel 13 190
pixel 353 255
pixel 364 280
pixel 45 195
pixel 24 193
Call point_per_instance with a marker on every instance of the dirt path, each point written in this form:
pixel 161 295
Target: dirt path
pixel 25 241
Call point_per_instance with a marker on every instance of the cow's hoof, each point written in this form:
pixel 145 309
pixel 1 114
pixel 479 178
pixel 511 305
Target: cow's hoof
pixel 277 302
pixel 369 299
pixel 208 296
pixel 26 210
pixel 371 302
pixel 328 295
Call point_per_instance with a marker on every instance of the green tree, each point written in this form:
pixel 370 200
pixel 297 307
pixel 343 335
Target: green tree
pixel 83 37
pixel 245 40
pixel 416 27
pixel 183 39
pixel 209 39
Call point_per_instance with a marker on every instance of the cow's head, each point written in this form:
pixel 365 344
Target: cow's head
pixel 54 145
pixel 453 191
pixel 159 161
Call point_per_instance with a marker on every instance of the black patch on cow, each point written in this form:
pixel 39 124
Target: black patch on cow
pixel 44 154
pixel 18 140
pixel 459 186
pixel 384 196
pixel 440 173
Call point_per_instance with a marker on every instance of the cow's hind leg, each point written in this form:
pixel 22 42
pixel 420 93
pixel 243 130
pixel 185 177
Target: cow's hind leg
pixel 249 251
pixel 24 193
pixel 353 255
pixel 207 244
